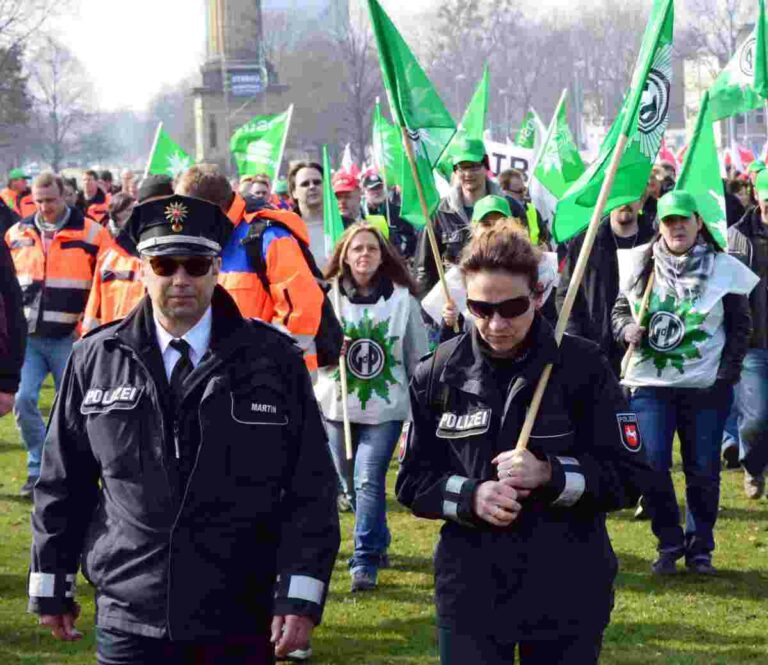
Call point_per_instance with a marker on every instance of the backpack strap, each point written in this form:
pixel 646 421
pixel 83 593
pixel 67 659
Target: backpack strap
pixel 439 402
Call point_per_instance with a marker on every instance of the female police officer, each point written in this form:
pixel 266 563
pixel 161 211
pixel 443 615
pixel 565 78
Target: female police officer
pixel 524 557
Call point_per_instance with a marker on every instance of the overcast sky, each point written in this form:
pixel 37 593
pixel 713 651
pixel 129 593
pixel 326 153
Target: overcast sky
pixel 132 49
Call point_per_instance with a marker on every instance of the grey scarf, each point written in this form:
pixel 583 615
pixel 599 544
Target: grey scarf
pixel 683 276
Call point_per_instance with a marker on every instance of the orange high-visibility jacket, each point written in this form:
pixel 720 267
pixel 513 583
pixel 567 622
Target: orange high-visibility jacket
pixel 21 203
pixel 116 290
pixel 98 209
pixel 294 301
pixel 55 286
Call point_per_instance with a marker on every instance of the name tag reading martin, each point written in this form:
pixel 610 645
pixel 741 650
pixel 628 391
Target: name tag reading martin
pixel 101 400
pixel 258 409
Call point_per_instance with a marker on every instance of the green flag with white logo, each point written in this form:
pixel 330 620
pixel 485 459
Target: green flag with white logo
pixel 472 125
pixel 559 164
pixel 415 107
pixel 387 148
pixel 743 85
pixel 531 132
pixel 642 119
pixel 700 175
pixel 167 157
pixel 258 145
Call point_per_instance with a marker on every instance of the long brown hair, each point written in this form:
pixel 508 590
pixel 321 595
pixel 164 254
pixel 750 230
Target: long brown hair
pixel 392 266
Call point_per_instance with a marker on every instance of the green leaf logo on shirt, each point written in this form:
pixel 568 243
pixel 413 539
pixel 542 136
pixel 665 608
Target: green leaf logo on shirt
pixel 673 333
pixel 370 359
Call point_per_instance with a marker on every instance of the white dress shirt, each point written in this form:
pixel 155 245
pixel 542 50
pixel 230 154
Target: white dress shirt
pixel 198 337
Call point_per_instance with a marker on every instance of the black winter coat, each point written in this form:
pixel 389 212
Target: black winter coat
pixel 197 559
pixel 591 315
pixel 13 325
pixel 551 572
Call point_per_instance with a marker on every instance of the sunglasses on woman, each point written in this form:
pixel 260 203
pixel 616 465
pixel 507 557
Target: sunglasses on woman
pixel 507 309
pixel 194 266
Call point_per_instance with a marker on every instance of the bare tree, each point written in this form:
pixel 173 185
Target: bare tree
pixel 62 94
pixel 716 25
pixel 362 83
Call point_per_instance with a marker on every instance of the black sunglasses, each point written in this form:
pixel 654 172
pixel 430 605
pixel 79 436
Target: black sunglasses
pixel 166 266
pixel 507 309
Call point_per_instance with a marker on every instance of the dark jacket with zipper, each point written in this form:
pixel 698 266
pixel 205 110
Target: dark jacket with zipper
pixel 183 521
pixel 551 572
pixel 748 241
pixel 13 325
pixel 591 314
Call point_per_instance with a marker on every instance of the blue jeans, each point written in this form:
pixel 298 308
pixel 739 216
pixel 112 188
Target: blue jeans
pixel 752 400
pixel 44 355
pixel 373 446
pixel 731 431
pixel 698 416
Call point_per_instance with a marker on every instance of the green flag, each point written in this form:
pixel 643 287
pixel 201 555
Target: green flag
pixel 559 164
pixel 700 175
pixel 743 85
pixel 387 148
pixel 531 131
pixel 472 125
pixel 642 119
pixel 416 107
pixel 167 157
pixel 258 145
pixel 333 227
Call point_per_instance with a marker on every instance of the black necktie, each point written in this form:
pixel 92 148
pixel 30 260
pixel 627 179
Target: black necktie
pixel 181 370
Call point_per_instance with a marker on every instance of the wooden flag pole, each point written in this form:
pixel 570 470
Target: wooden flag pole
pixel 427 219
pixel 343 377
pixel 643 309
pixel 573 287
pixel 154 146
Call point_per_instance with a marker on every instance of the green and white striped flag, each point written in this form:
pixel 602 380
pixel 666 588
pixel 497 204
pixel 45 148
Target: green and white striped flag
pixel 258 145
pixel 743 85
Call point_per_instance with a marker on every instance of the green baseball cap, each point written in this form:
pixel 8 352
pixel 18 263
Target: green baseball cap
pixel 489 204
pixel 761 185
pixel 677 202
pixel 468 150
pixel 281 186
pixel 17 174
pixel 756 167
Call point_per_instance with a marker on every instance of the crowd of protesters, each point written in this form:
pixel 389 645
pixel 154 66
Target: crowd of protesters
pixel 76 270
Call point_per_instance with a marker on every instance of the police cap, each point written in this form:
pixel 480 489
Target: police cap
pixel 178 226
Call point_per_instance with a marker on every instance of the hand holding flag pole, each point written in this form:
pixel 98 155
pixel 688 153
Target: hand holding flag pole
pixel 641 315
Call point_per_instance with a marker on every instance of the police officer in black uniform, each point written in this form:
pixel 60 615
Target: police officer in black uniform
pixel 185 470
pixel 524 560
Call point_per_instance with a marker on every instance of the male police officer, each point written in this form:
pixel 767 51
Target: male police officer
pixel 185 464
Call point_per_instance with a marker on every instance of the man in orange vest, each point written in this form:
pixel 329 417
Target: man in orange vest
pixel 294 300
pixel 55 253
pixel 96 199
pixel 17 195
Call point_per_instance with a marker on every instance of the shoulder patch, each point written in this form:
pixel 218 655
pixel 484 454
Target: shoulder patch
pixel 629 431
pixel 404 436
pixel 460 426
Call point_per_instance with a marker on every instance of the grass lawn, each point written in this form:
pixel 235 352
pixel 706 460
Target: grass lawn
pixel 679 621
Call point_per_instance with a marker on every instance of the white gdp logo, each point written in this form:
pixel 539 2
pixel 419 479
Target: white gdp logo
pixel 747 58
pixel 365 358
pixel 665 331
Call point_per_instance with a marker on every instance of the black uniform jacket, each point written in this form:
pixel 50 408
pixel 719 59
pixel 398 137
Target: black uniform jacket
pixel 551 572
pixel 197 559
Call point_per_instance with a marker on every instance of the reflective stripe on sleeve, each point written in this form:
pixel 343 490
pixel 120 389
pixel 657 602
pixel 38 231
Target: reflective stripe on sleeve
pixel 94 231
pixel 70 586
pixel 575 483
pixel 41 585
pixel 303 587
pixel 61 317
pixel 451 510
pixel 454 484
pixel 64 283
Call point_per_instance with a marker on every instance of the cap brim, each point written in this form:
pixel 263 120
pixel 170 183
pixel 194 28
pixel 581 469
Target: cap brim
pixel 467 157
pixel 177 250
pixel 178 246
pixel 676 211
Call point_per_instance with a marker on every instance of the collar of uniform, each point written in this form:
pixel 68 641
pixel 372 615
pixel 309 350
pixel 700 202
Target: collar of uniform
pixel 470 371
pixel 137 330
pixel 75 222
pixel 198 336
